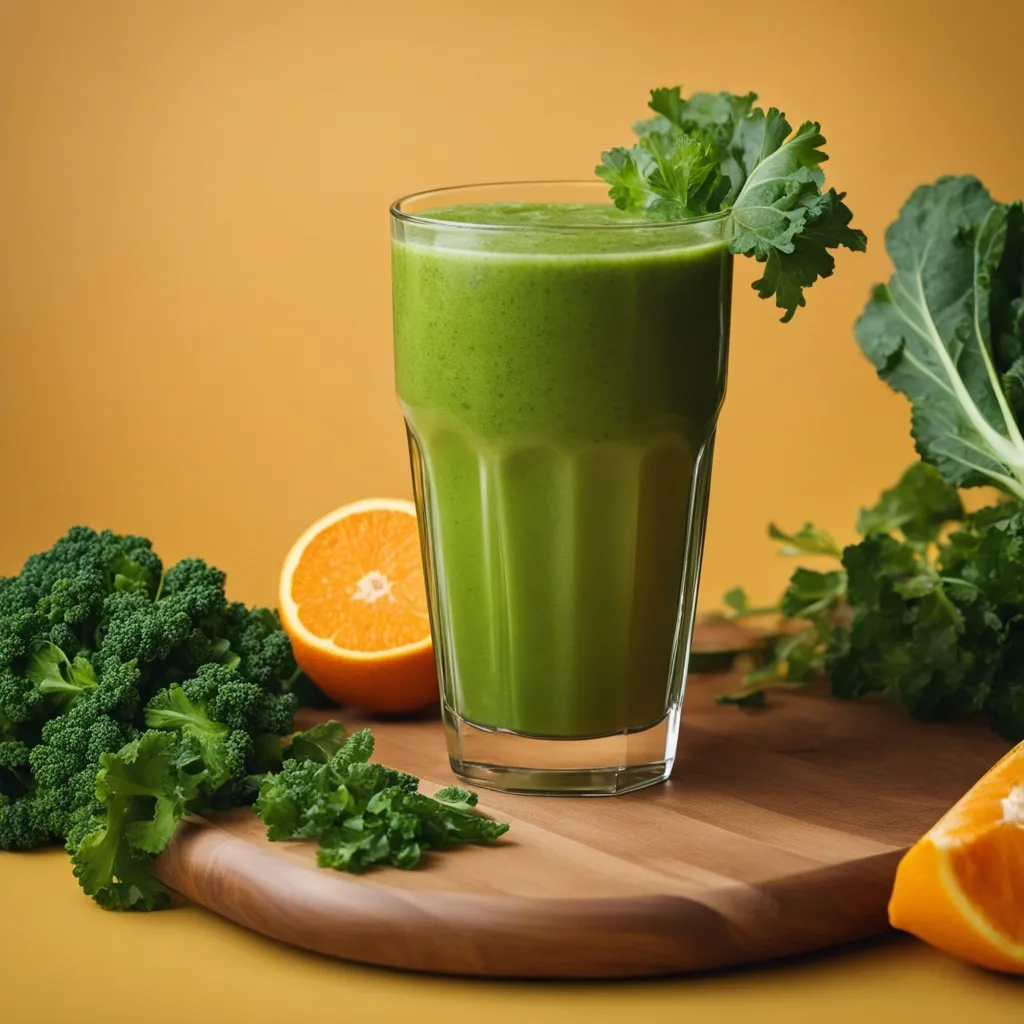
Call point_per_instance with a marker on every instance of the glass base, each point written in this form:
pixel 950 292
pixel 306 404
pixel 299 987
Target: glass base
pixel 591 766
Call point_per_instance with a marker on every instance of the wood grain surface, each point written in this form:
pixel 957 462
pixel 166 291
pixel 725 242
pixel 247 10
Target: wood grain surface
pixel 779 832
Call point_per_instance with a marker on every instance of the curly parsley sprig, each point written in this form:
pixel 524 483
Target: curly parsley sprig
pixel 363 813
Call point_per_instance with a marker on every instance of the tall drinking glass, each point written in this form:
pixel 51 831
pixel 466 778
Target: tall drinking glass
pixel 561 367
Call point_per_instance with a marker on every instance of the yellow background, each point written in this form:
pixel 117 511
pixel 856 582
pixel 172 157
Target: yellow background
pixel 194 294
pixel 195 340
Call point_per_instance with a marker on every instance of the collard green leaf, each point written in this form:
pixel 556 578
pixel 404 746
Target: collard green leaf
pixel 1006 300
pixel 929 330
pixel 1013 386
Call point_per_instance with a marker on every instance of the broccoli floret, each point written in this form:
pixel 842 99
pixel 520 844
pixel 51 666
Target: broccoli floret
pixel 19 829
pixel 20 621
pixel 91 632
pixel 15 774
pixel 265 654
pixel 117 694
pixel 82 821
pixel 200 649
pixel 73 606
pixel 195 588
pixel 263 648
pixel 64 636
pixel 58 783
pixel 230 719
pixel 82 549
pixel 22 706
pixel 240 703
pixel 65 763
pixel 137 628
pixel 183 625
pixel 59 593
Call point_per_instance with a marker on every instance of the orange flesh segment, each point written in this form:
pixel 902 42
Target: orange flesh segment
pixel 991 874
pixel 359 583
pixel 983 837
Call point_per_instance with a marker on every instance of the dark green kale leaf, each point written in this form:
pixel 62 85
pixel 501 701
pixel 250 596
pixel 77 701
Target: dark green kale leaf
pixel 947 330
pixel 718 153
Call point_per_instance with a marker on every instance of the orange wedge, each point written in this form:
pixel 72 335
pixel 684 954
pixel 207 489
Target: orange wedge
pixel 961 888
pixel 354 604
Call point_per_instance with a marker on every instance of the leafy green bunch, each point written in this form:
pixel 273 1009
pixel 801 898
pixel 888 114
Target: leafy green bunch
pixel 718 153
pixel 130 696
pixel 928 607
pixel 363 813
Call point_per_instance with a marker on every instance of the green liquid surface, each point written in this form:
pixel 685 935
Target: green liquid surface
pixel 559 387
pixel 560 215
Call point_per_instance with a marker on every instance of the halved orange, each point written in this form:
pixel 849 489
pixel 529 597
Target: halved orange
pixel 961 888
pixel 354 604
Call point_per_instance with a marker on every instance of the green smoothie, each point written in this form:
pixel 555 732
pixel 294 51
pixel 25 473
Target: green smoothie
pixel 561 369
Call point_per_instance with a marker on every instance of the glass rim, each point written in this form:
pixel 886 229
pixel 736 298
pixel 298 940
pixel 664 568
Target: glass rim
pixel 396 211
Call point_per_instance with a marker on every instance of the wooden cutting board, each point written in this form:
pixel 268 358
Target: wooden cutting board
pixel 778 833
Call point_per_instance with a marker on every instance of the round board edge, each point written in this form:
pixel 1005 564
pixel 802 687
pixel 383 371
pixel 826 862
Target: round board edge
pixel 504 936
